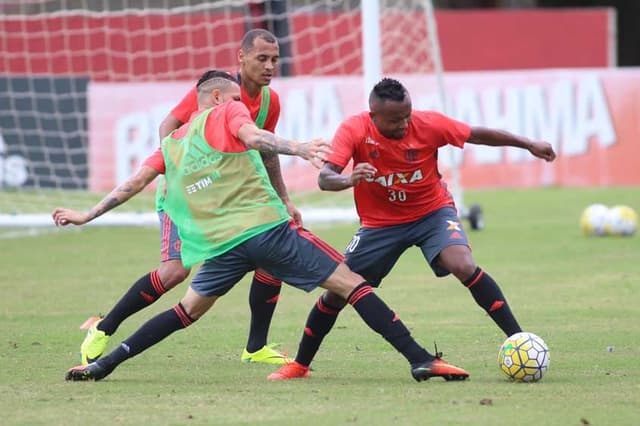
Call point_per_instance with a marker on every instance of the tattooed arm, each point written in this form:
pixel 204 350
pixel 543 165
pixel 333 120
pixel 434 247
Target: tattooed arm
pixel 264 141
pixel 119 195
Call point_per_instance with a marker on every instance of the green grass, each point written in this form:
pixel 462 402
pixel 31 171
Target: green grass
pixel 580 294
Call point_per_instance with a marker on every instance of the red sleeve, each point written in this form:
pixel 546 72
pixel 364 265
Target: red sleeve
pixel 223 123
pixel 343 145
pixel 236 115
pixel 186 107
pixel 453 132
pixel 274 112
pixel 155 161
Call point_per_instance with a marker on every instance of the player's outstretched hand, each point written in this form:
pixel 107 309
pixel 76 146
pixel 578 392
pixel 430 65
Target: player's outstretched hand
pixel 543 150
pixel 64 217
pixel 362 171
pixel 316 152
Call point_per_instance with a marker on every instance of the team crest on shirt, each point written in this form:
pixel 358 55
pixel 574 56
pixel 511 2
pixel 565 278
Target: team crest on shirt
pixel 374 154
pixel 411 154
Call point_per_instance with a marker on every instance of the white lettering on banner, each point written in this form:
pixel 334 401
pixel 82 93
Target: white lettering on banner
pixel 136 137
pixel 593 116
pixel 501 110
pixel 13 168
pixel 569 115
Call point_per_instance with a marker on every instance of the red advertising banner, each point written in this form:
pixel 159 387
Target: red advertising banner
pixel 591 116
pixel 124 119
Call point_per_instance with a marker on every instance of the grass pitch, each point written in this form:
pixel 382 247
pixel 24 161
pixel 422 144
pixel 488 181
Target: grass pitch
pixel 581 295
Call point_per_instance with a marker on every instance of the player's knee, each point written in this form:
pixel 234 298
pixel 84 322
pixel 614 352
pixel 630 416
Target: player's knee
pixel 333 300
pixel 172 273
pixel 342 282
pixel 458 261
pixel 463 268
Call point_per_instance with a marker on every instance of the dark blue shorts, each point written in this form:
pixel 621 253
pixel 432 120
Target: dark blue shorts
pixel 373 252
pixel 287 252
pixel 170 243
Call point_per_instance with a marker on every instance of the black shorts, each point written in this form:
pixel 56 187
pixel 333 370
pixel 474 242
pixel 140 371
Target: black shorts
pixel 373 252
pixel 287 252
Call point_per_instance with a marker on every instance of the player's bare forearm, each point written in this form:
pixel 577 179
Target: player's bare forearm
pixel 272 164
pixel 331 179
pixel 493 137
pixel 64 217
pixel 315 151
pixel 123 192
pixel 270 144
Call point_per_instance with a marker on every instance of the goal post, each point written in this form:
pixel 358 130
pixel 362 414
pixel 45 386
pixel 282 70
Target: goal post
pixel 56 54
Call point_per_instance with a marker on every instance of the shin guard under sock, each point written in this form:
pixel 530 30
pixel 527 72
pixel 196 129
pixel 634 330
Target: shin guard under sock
pixel 385 322
pixel 320 321
pixel 151 332
pixel 263 297
pixel 142 293
pixel 489 297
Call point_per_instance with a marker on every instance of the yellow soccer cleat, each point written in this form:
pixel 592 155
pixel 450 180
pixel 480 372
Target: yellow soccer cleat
pixel 266 355
pixel 93 345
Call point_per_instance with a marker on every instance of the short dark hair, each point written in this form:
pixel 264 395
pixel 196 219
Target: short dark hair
pixel 251 35
pixel 208 75
pixel 388 89
pixel 212 80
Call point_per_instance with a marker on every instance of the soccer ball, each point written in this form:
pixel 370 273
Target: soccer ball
pixel 524 357
pixel 593 219
pixel 621 220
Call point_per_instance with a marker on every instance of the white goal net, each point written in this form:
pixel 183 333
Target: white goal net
pixel 53 54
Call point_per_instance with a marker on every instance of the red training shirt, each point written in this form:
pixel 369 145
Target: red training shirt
pixel 189 104
pixel 220 129
pixel 407 185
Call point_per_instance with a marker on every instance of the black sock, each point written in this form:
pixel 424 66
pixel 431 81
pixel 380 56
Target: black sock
pixel 263 297
pixel 488 296
pixel 385 322
pixel 151 332
pixel 142 293
pixel 320 321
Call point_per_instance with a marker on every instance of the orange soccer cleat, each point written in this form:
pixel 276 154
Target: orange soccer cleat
pixel 291 370
pixel 437 368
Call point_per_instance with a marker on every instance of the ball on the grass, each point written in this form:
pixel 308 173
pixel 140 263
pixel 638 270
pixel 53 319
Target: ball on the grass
pixel 524 357
pixel 593 219
pixel 621 220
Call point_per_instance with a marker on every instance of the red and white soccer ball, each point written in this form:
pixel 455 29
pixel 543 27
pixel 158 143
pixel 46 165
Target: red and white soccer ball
pixel 524 357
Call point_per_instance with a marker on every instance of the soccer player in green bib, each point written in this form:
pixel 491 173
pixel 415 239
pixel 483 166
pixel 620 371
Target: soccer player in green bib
pixel 258 57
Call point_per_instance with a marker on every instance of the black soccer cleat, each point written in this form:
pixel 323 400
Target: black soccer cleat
pixel 93 371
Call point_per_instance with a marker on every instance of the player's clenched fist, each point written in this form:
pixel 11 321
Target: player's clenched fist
pixel 362 171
